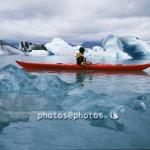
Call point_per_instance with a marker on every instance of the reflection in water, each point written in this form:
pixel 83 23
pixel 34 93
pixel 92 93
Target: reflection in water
pixel 81 77
pixel 9 120
pixel 7 116
pixel 3 125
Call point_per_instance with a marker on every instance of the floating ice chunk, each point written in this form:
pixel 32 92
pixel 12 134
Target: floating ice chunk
pixel 139 106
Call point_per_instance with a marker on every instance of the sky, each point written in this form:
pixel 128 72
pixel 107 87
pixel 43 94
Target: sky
pixel 73 20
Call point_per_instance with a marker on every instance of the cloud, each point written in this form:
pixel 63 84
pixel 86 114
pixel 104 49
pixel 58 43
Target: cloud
pixel 73 20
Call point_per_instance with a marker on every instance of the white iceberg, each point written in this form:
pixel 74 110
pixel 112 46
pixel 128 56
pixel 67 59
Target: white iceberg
pixel 60 47
pixel 135 47
pixel 7 49
pixel 126 46
pixel 95 51
pixel 113 48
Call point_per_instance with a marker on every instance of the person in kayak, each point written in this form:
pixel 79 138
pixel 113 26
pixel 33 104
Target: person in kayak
pixel 81 60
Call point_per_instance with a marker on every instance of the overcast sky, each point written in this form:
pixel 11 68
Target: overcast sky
pixel 73 20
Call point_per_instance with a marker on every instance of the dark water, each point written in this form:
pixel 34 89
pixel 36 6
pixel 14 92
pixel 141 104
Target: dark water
pixel 23 95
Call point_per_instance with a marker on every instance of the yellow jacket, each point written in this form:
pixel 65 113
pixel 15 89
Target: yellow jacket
pixel 78 55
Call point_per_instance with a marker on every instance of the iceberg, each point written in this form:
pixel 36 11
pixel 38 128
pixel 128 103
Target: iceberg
pixel 7 49
pixel 135 47
pixel 14 79
pixel 34 49
pixel 125 47
pixel 96 51
pixel 112 47
pixel 60 47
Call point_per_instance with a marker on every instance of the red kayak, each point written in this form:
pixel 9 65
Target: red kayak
pixel 94 67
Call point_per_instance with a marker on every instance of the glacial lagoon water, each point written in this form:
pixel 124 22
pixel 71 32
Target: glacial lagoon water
pixel 23 95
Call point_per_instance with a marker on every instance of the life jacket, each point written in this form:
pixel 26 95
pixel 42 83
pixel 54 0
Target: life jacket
pixel 78 55
pixel 80 59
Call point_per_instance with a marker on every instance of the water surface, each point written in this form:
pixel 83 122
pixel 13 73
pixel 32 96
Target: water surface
pixel 23 95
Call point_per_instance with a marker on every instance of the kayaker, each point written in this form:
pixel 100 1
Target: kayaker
pixel 81 60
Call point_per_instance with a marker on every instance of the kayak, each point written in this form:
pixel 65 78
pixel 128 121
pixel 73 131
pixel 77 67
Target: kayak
pixel 74 67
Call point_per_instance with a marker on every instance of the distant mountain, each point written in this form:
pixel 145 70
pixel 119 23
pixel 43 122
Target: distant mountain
pixel 72 44
pixel 91 44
